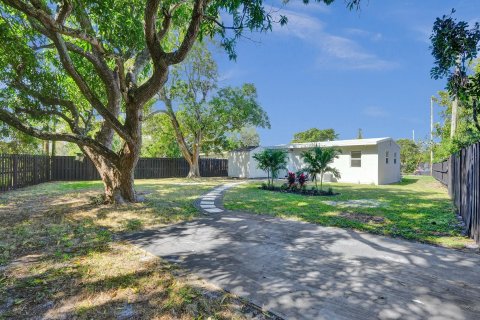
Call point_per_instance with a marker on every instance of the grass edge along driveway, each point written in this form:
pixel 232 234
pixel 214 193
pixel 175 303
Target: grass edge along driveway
pixel 417 208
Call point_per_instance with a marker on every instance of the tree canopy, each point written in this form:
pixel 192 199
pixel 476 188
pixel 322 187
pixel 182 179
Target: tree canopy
pixel 93 66
pixel 203 115
pixel 314 135
pixel 411 155
pixel 454 46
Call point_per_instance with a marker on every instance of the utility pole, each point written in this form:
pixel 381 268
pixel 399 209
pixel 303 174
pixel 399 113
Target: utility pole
pixel 413 135
pixel 453 125
pixel 431 135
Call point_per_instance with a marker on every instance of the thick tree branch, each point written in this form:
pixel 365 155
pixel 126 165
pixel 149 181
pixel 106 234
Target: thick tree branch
pixel 65 10
pixel 38 112
pixel 52 25
pixel 191 35
pixel 47 100
pixel 160 59
pixel 86 91
pixel 176 125
pixel 13 121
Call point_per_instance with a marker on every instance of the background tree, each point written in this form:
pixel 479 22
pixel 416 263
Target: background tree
pixel 94 65
pixel 411 155
pixel 201 114
pixel 317 163
pixel 245 137
pixel 314 135
pixel 454 47
pixel 15 142
pixel 360 134
pixel 271 161
pixel 159 138
pixel 466 133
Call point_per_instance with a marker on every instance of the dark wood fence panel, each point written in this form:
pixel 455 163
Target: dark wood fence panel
pixel 65 168
pixel 440 171
pixel 18 171
pixel 461 173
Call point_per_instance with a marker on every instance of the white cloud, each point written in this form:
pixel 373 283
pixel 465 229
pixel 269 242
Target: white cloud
pixel 372 36
pixel 375 112
pixel 232 73
pixel 334 51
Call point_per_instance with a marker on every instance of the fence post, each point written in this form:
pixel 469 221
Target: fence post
pixel 35 163
pixel 15 167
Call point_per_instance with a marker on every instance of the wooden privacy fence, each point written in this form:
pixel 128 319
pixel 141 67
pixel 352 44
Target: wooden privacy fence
pixel 18 171
pixel 461 173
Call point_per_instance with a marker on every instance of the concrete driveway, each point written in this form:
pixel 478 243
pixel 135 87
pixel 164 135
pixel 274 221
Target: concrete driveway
pixel 305 271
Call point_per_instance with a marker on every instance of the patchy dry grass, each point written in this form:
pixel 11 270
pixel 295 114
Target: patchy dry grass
pixel 418 208
pixel 59 258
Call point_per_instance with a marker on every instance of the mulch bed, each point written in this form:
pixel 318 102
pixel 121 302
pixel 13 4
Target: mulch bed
pixel 303 192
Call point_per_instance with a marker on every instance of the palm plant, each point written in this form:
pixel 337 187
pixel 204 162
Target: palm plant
pixel 271 161
pixel 318 160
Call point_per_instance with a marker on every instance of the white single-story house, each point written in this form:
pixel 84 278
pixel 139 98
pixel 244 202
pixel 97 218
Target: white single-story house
pixel 365 161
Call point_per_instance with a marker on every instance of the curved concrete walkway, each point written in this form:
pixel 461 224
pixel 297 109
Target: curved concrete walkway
pixel 305 271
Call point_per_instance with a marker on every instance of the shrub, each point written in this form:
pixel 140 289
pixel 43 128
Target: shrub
pixel 303 188
pixel 302 179
pixel 291 179
pixel 317 161
pixel 271 161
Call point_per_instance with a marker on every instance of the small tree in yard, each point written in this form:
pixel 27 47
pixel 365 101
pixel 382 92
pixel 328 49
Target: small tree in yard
pixel 271 161
pixel 202 115
pixel 318 160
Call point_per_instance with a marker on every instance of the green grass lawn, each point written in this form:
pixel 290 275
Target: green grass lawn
pixel 418 208
pixel 59 257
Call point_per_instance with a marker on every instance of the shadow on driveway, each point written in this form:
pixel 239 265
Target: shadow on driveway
pixel 304 271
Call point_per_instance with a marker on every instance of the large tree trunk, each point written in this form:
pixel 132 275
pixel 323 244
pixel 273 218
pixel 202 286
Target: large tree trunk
pixel 195 158
pixel 194 171
pixel 117 172
pixel 117 176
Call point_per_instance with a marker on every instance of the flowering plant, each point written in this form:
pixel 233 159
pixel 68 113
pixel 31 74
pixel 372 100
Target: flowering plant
pixel 291 179
pixel 302 178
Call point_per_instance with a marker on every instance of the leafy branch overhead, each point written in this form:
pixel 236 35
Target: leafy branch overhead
pixel 455 46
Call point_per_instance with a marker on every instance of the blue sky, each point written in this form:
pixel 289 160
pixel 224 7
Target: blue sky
pixel 334 68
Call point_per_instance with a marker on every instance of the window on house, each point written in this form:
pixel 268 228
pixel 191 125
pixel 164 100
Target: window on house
pixel 386 157
pixel 356 159
pixel 394 158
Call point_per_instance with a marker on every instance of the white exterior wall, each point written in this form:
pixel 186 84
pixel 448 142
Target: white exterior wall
pixel 389 173
pixel 242 165
pixel 373 169
pixel 238 164
pixel 252 163
pixel 366 174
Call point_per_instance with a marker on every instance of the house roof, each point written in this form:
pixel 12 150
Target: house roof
pixel 249 148
pixel 335 143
